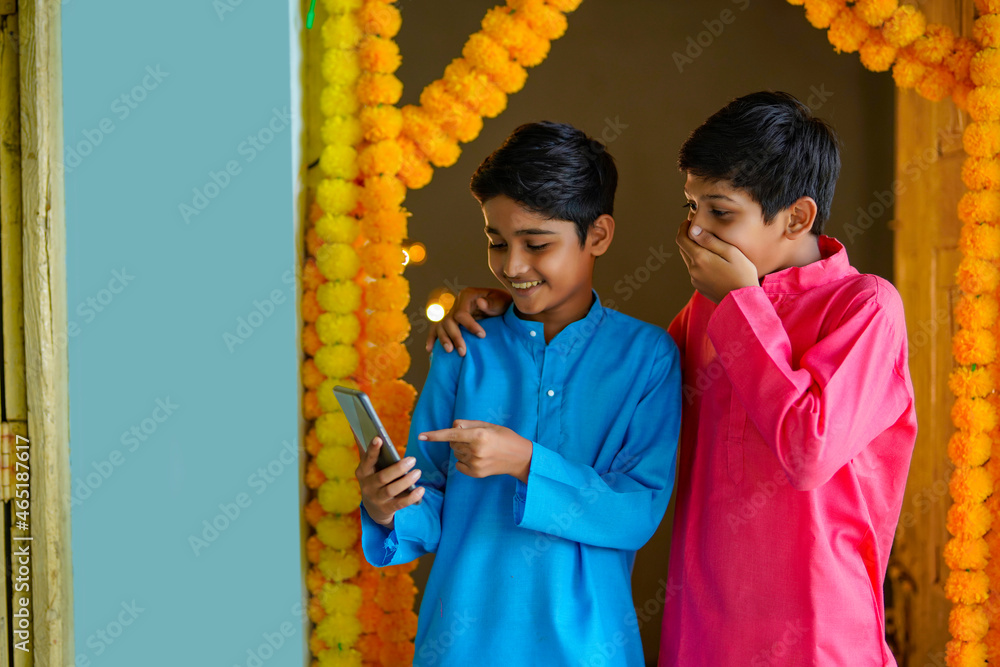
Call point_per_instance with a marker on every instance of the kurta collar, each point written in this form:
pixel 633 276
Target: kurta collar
pixel 533 333
pixel 832 265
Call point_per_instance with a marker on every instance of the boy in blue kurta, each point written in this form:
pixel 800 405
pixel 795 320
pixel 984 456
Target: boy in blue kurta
pixel 543 458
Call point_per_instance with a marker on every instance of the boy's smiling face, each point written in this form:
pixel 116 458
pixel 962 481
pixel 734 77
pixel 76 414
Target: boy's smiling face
pixel 541 262
pixel 734 217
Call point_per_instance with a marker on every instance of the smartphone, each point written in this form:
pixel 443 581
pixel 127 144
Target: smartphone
pixel 366 426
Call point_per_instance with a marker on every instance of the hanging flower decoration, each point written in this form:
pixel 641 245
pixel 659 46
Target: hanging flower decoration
pixel 354 294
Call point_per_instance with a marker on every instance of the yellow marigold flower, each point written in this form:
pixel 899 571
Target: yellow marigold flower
pixel 340 67
pixel 969 449
pixel 908 71
pixel 377 18
pixel 847 32
pixel 338 532
pixel 342 6
pixel 337 228
pixel 340 598
pixel 973 485
pixel 986 30
pixel 454 117
pixel 523 44
pixel 340 496
pixel 965 654
pixel 339 296
pixel 416 171
pixel 391 293
pixel 960 58
pixel 967 587
pixel 333 430
pixel 875 12
pixel 338 261
pixel 343 130
pixel 381 122
pixel 337 360
pixel 877 54
pixel 968 520
pixel 382 157
pixel 821 12
pixel 382 259
pixel 984 103
pixel 976 276
pixel 334 328
pixel 375 88
pixel 981 241
pixel 395 397
pixel 904 26
pixel 977 312
pixel 982 139
pixel 388 327
pixel 324 394
pixel 936 43
pixel 338 565
pixel 386 363
pixel 984 68
pixel 981 173
pixel 338 462
pixel 338 101
pixel 960 94
pixel 937 84
pixel 339 161
pixel 564 5
pixel 979 206
pixel 474 89
pixel 546 21
pixel 337 196
pixel 489 57
pixel 385 225
pixel 339 629
pixel 968 623
pixel 341 31
pixel 965 554
pixel 383 192
pixel 378 54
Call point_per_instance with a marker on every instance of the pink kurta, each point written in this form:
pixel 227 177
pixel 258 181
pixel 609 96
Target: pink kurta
pixel 797 433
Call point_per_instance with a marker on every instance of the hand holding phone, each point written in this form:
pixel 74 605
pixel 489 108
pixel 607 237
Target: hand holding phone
pixel 384 492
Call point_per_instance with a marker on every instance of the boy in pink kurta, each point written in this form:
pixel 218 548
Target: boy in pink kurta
pixel 799 416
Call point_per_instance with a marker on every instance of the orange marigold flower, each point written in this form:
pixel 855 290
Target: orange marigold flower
pixel 390 293
pixel 960 58
pixel 398 626
pixel 546 21
pixel 491 58
pixel 370 646
pixel 311 376
pixel 382 157
pixel 312 278
pixel 979 206
pixel 973 485
pixel 396 593
pixel 981 173
pixel 877 54
pixel 397 653
pixel 382 259
pixel 981 241
pixel 375 88
pixel 378 54
pixel 381 122
pixel 966 554
pixel 422 128
pixel 314 581
pixel 968 623
pixel 974 415
pixel 381 19
pixel 960 94
pixel 984 68
pixel 383 192
pixel 474 89
pixel 310 306
pixel 310 340
pixel 847 32
pixel 416 171
pixel 970 587
pixel 313 242
pixel 977 346
pixel 908 71
pixel 986 30
pixel 937 84
pixel 313 444
pixel 977 312
pixel 316 645
pixel 821 12
pixel 965 654
pixel 984 103
pixel 524 45
pixel 968 520
pixel 394 397
pixel 936 43
pixel 316 611
pixel 314 512
pixel 386 363
pixel 313 549
pixel 988 6
pixel 454 117
pixel 314 476
pixel 385 225
pixel 875 12
pixel 971 383
pixel 388 327
pixel 982 139
pixel 564 5
pixel 905 25
pixel 311 408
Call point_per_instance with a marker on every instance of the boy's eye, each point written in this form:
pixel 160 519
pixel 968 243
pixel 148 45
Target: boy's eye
pixel 538 247
pixel 689 205
pixel 496 246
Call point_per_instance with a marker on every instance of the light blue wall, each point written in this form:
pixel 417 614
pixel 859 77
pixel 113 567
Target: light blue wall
pixel 158 97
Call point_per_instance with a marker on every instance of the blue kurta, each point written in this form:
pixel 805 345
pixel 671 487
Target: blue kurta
pixel 540 573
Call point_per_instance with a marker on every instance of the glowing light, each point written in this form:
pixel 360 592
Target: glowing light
pixel 406 257
pixel 447 300
pixel 435 312
pixel 418 253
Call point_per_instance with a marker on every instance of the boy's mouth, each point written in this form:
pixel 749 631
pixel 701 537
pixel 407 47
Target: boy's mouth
pixel 526 285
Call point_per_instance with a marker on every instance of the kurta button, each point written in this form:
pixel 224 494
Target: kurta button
pixel 532 334
pixel 551 393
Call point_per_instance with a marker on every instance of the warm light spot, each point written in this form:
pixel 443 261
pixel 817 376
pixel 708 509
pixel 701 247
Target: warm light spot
pixel 406 257
pixel 447 300
pixel 435 312
pixel 418 253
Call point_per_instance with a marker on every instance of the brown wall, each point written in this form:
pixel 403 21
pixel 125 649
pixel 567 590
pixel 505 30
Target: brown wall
pixel 615 68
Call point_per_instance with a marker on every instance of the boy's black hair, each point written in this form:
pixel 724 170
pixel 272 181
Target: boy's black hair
pixel 770 145
pixel 552 169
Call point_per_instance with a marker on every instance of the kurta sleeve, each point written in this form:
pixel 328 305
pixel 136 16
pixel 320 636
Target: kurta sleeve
pixel 845 390
pixel 417 528
pixel 620 508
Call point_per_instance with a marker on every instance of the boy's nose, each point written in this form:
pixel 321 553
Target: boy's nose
pixel 515 266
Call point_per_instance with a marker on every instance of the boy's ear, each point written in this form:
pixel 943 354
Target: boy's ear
pixel 801 216
pixel 600 234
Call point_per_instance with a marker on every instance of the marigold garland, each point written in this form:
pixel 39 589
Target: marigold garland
pixel 354 294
